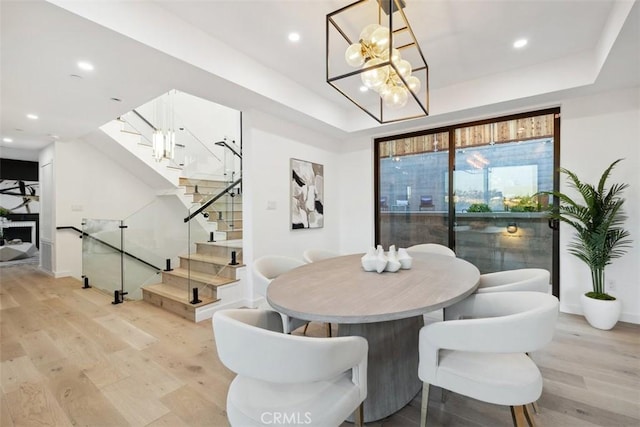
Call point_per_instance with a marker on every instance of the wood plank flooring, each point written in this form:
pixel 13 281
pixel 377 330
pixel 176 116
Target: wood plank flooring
pixel 69 357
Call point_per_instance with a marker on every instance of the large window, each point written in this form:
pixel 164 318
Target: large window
pixel 472 187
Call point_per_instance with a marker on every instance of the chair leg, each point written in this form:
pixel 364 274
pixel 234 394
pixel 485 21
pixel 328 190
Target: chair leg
pixel 304 332
pixel 521 417
pixel 424 405
pixel 328 326
pixel 359 416
pixel 529 416
pixel 535 407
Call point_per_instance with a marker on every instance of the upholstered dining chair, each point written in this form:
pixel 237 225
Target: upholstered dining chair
pixel 482 354
pixel 287 379
pixel 315 255
pixel 266 269
pixel 433 248
pixel 523 279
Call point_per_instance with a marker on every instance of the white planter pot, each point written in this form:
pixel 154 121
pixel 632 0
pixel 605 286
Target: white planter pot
pixel 601 314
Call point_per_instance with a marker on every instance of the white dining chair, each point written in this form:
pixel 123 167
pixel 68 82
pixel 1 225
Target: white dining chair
pixel 287 379
pixel 433 248
pixel 315 255
pixel 482 355
pixel 523 279
pixel 267 268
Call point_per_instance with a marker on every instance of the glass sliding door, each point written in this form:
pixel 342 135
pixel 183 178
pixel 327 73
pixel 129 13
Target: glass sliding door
pixel 501 223
pixel 412 190
pixel 474 188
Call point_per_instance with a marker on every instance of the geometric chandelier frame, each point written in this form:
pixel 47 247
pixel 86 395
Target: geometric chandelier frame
pixel 375 61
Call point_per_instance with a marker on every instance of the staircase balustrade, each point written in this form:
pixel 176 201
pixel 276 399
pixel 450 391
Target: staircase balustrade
pixel 211 174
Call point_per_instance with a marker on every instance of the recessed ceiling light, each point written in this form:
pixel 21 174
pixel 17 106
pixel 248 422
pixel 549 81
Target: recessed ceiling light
pixel 86 66
pixel 520 43
pixel 32 117
pixel 363 88
pixel 294 37
pixel 7 140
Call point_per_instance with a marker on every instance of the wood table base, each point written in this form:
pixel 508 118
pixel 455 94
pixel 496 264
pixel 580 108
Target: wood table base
pixel 392 373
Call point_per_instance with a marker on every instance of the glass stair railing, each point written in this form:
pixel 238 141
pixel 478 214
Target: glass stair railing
pixel 195 238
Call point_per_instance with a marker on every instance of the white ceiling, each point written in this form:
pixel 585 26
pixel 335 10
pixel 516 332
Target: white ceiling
pixel 237 53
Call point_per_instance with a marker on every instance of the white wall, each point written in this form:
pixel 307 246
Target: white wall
pixel 18 154
pixel 356 198
pixel 47 212
pixel 269 144
pixel 89 184
pixel 595 131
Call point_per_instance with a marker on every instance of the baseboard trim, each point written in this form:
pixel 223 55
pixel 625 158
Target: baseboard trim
pixel 59 274
pixel 206 312
pixel 577 309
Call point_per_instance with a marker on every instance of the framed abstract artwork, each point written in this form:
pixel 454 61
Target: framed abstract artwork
pixel 307 194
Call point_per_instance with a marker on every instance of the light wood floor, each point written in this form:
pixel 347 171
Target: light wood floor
pixel 69 357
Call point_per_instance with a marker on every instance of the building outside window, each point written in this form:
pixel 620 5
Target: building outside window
pixel 477 195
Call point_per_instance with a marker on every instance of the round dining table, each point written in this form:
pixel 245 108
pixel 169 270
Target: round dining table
pixel 385 308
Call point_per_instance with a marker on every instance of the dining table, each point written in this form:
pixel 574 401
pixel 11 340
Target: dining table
pixel 385 308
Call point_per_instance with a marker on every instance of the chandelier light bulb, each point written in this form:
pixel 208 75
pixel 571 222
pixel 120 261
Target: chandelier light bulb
pixel 404 68
pixel 384 89
pixel 395 55
pixel 354 56
pixel 395 97
pixel 380 40
pixel 375 78
pixel 414 84
pixel 365 35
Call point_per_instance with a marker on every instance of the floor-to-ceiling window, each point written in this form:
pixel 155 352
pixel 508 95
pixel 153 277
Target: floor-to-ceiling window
pixel 473 187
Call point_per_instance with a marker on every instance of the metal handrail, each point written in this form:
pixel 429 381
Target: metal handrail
pixel 212 200
pixel 83 233
pixel 144 119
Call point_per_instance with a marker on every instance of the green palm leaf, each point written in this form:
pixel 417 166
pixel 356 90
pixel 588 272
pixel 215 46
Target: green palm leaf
pixel 598 220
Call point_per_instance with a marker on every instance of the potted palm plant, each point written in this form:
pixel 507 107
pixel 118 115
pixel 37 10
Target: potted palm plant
pixel 600 238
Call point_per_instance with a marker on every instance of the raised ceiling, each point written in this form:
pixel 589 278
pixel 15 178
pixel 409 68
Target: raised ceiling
pixel 237 53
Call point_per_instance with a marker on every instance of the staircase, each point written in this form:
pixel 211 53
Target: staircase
pixel 207 266
pixel 208 270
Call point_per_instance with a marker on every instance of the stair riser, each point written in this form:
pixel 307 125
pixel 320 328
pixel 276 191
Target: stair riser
pixel 208 268
pixel 225 207
pixel 183 283
pixel 236 215
pixel 219 251
pixel 234 235
pixel 182 310
pixel 227 226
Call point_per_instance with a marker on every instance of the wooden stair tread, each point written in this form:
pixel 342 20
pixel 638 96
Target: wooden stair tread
pixel 232 244
pixel 211 259
pixel 178 295
pixel 208 279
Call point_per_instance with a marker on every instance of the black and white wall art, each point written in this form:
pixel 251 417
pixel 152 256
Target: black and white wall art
pixel 307 194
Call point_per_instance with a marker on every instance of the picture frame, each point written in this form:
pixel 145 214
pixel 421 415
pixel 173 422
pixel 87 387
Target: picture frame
pixel 307 194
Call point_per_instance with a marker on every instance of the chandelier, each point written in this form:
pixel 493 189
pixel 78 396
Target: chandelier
pixel 164 136
pixel 374 60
